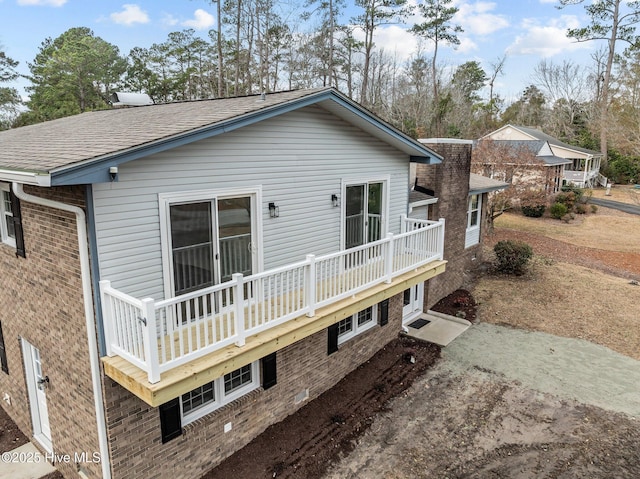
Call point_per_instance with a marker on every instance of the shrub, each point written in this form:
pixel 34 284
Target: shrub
pixel 581 209
pixel 558 210
pixel 594 208
pixel 512 257
pixel 568 199
pixel 578 193
pixel 533 211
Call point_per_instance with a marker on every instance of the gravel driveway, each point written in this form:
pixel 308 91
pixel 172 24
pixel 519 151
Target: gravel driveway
pixel 568 368
pixel 507 403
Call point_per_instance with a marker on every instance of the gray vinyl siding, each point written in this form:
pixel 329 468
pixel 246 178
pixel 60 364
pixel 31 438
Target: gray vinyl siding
pixel 298 159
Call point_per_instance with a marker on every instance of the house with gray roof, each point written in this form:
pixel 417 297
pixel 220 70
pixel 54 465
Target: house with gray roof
pixel 579 166
pixel 178 277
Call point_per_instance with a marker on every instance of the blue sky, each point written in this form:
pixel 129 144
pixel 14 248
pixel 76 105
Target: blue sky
pixel 527 31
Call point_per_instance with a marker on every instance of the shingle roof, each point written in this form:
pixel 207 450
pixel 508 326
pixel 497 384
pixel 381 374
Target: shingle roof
pixel 554 141
pixel 482 184
pixel 535 146
pixel 68 146
pixel 415 196
pixel 58 143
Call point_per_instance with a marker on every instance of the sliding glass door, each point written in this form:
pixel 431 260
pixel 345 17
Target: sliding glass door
pixel 210 241
pixel 363 222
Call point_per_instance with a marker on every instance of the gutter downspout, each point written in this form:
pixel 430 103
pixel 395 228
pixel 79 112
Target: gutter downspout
pixel 88 313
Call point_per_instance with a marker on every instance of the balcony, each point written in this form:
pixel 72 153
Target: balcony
pixel 156 348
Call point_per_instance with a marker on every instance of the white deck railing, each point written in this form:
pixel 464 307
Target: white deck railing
pixel 157 336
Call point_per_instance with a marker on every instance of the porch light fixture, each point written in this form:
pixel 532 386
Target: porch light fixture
pixel 274 211
pixel 334 200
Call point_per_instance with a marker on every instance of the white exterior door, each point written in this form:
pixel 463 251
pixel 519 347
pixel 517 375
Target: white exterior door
pixel 37 384
pixel 412 302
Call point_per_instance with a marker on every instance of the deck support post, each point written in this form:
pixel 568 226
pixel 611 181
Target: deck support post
pixel 441 240
pixel 107 318
pixel 310 286
pixel 238 302
pixel 151 340
pixel 388 260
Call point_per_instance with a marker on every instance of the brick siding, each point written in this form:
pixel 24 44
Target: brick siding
pixel 450 182
pixel 134 427
pixel 41 297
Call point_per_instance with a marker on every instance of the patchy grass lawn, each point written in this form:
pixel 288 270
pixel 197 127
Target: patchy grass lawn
pixel 565 300
pixel 562 296
pixel 608 230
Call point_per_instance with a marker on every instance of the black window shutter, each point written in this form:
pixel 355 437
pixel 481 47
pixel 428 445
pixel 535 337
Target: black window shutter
pixel 170 422
pixel 17 225
pixel 269 372
pixel 332 345
pixel 383 312
pixel 3 353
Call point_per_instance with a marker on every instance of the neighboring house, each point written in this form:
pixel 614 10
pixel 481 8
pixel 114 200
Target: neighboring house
pixel 580 166
pixel 178 277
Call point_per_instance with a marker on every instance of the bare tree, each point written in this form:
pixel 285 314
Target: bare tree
pixel 611 21
pixel 375 14
pixel 532 183
pixel 566 89
pixel 437 28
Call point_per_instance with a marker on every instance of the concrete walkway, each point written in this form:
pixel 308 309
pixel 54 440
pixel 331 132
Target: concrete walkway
pixel 565 367
pixel 24 462
pixel 441 329
pixel 616 205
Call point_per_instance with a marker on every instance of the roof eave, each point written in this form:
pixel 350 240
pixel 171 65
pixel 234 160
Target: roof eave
pixel 96 170
pixel 25 177
pixel 489 189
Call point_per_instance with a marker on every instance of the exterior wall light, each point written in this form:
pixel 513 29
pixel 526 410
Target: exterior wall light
pixel 274 211
pixel 334 200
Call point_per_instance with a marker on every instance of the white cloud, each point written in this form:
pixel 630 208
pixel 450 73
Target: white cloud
pixel 52 3
pixel 129 15
pixel 201 21
pixel 477 19
pixel 546 40
pixel 169 20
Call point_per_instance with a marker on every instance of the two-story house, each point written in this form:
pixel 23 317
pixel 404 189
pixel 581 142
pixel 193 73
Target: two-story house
pixel 177 277
pixel 564 163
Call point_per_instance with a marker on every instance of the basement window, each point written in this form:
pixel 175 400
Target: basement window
pixel 357 324
pixel 215 394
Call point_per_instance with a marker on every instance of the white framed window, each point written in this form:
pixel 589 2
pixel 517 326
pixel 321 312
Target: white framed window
pixel 7 229
pixel 474 213
pixel 357 324
pixel 215 394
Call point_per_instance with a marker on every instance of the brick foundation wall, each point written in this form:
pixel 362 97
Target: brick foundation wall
pixel 41 298
pixel 134 427
pixel 450 182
